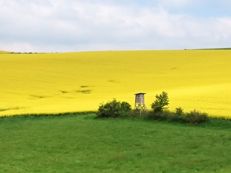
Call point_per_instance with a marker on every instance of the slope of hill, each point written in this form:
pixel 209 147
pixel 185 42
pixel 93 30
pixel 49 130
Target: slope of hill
pixel 68 82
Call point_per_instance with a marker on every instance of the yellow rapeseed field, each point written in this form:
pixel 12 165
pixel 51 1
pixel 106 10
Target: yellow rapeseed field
pixel 68 82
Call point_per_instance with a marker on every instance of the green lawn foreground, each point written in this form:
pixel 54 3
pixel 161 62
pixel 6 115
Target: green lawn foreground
pixel 82 144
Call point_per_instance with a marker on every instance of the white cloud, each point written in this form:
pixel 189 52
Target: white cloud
pixel 68 25
pixel 177 3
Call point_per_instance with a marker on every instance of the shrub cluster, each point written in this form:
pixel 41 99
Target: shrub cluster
pixel 159 111
pixel 193 117
pixel 114 109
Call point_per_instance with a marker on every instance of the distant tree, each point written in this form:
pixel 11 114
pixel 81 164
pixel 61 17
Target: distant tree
pixel 161 102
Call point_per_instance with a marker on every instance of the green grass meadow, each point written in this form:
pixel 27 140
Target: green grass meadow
pixel 84 144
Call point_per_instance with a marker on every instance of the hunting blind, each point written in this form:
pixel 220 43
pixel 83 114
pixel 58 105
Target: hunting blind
pixel 139 101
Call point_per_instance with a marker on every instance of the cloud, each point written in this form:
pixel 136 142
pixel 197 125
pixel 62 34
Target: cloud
pixel 177 3
pixel 69 25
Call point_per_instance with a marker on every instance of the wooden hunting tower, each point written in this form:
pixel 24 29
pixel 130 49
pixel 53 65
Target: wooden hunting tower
pixel 139 101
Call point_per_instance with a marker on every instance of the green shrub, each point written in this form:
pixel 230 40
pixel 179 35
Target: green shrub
pixel 178 115
pixel 114 109
pixel 195 117
pixel 164 115
pixel 161 103
pixel 179 111
pixel 125 107
pixel 139 113
pixel 160 112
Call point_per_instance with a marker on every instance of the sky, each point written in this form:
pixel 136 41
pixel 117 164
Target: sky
pixel 89 25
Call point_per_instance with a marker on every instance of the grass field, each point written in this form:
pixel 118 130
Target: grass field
pixel 69 82
pixel 85 144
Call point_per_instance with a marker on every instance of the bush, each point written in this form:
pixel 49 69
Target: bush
pixel 178 115
pixel 179 111
pixel 139 113
pixel 195 117
pixel 164 115
pixel 161 102
pixel 160 112
pixel 114 109
pixel 125 107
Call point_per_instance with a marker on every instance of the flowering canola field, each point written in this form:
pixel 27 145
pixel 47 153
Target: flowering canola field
pixel 68 82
